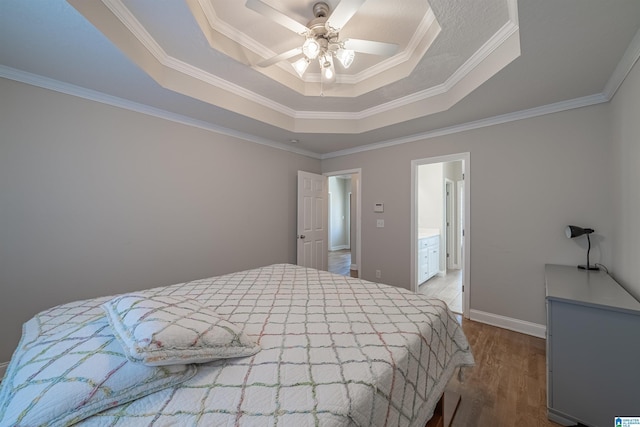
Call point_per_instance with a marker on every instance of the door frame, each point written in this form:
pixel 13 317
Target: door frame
pixel 451 245
pixel 466 256
pixel 460 220
pixel 357 171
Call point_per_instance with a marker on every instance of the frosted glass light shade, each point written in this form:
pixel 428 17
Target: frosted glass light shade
pixel 346 57
pixel 311 48
pixel 301 66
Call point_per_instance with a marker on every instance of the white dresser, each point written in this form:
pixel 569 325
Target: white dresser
pixel 428 254
pixel 593 348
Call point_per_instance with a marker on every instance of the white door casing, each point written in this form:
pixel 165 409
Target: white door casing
pixel 463 209
pixel 312 236
pixel 451 250
pixel 356 221
pixel 465 220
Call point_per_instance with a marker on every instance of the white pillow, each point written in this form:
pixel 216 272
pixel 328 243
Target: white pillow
pixel 61 378
pixel 164 330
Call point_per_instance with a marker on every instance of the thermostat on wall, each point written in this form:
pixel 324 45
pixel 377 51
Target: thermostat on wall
pixel 378 207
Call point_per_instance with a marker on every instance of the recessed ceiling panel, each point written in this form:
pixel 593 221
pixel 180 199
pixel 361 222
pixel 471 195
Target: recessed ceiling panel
pixel 211 50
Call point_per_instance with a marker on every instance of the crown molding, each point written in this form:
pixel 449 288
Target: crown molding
pixel 123 14
pixel 623 68
pixel 92 95
pixel 264 52
pixel 630 57
pixel 491 121
pixel 199 74
pixel 232 33
pixel 69 89
pixel 500 37
pixel 405 56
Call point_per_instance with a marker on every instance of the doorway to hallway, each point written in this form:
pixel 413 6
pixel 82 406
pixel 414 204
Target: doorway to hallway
pixel 344 222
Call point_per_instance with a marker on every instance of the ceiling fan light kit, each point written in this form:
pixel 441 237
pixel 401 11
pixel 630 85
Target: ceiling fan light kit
pixel 328 70
pixel 322 38
pixel 346 57
pixel 311 48
pixel 301 65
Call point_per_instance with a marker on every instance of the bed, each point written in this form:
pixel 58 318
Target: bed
pixel 303 348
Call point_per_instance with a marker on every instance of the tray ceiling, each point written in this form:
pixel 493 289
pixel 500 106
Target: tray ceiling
pixel 208 50
pixel 155 57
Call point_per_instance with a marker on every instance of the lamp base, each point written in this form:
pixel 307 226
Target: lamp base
pixel 589 267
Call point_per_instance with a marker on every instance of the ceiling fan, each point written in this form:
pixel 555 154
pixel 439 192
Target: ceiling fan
pixel 322 38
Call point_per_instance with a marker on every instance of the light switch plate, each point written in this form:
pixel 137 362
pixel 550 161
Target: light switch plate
pixel 380 223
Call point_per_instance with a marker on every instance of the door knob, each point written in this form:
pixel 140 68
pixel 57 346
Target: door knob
pixel 302 236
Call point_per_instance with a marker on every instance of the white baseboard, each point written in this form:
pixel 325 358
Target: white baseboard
pixel 517 325
pixel 339 247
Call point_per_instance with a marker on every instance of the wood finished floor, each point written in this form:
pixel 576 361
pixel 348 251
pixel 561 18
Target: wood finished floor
pixel 507 387
pixel 448 288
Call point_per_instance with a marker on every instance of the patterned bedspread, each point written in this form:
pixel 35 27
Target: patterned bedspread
pixel 336 351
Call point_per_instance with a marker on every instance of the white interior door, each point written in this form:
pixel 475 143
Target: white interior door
pixel 313 211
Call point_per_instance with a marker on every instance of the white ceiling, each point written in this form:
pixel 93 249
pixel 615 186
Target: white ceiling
pixel 460 64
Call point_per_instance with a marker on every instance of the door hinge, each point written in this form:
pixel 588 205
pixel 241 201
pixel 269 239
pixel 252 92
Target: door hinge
pixel 462 288
pixel 462 233
pixel 447 255
pixel 463 177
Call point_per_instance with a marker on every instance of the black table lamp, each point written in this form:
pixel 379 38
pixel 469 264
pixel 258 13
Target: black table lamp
pixel 572 231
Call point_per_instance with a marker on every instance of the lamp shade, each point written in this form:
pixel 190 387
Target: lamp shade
pixel 573 231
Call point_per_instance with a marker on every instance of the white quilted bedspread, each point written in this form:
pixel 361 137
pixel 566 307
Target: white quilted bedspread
pixel 336 351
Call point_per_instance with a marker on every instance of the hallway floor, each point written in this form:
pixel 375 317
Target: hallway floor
pixel 447 288
pixel 340 263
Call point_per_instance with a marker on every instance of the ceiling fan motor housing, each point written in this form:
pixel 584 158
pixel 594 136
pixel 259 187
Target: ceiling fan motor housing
pixel 327 37
pixel 321 10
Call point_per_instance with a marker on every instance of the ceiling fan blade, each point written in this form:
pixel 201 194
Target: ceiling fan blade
pixel 368 46
pixel 286 55
pixel 276 16
pixel 343 12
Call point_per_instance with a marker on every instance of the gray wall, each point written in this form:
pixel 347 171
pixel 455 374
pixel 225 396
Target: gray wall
pixel 626 206
pixel 528 180
pixel 97 200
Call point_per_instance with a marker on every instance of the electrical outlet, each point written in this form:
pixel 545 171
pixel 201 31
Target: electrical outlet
pixel 378 274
